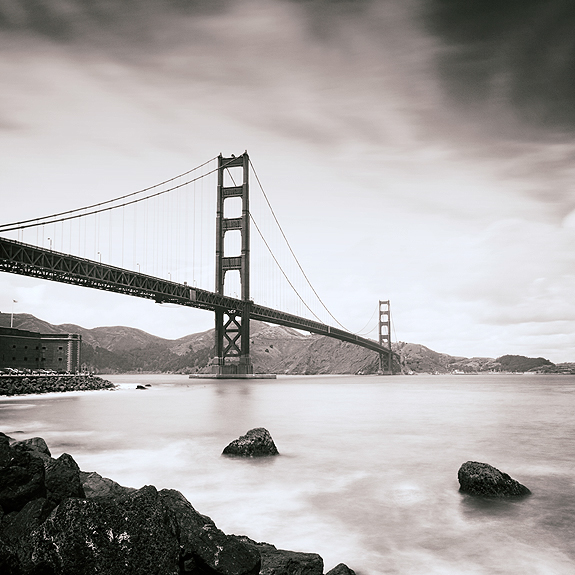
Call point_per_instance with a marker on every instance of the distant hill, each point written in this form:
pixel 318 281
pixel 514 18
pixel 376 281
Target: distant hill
pixel 274 349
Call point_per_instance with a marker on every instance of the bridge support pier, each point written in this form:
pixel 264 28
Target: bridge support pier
pixel 233 325
pixel 385 360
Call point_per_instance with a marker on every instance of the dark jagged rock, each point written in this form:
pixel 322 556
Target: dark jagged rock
pixel 94 485
pixel 22 480
pixel 281 562
pixel 5 453
pixel 140 387
pixel 203 545
pixel 9 564
pixel 341 569
pixel 33 444
pixel 31 516
pixel 145 532
pixel 62 477
pixel 484 480
pixel 255 443
pixel 89 536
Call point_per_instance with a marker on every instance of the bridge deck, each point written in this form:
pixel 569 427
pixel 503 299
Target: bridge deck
pixel 28 260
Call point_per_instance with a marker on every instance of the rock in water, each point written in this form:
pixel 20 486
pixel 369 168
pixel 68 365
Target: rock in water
pixel 485 480
pixel 255 443
pixel 276 561
pixel 341 569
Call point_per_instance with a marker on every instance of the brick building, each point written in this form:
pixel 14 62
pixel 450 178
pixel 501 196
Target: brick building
pixel 22 349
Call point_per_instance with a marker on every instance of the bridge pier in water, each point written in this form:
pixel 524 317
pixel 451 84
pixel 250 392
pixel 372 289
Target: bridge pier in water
pixel 233 325
pixel 385 360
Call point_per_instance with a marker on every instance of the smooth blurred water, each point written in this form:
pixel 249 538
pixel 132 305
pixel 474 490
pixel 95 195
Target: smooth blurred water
pixel 368 468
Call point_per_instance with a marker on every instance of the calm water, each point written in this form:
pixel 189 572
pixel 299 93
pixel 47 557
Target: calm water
pixel 368 472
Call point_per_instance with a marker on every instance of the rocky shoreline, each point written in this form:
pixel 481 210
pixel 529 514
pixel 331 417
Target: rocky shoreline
pixel 32 384
pixel 58 520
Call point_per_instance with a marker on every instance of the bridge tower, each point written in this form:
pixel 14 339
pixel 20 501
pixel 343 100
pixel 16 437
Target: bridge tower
pixel 233 325
pixel 385 364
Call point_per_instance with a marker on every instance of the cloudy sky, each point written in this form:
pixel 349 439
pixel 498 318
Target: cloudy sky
pixel 420 151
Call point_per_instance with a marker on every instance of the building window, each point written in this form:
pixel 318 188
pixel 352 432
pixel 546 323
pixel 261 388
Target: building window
pixel 25 359
pixel 60 348
pixel 59 359
pixel 13 347
pixel 25 347
pixel 13 359
pixel 43 347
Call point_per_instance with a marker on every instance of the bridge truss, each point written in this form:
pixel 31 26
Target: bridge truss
pixel 32 261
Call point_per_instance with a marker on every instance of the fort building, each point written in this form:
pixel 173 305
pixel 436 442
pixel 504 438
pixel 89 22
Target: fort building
pixel 22 349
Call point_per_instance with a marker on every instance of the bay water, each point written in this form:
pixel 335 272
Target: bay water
pixel 368 467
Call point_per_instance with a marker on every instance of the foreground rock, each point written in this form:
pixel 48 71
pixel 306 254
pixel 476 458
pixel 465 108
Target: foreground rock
pixel 281 562
pixel 255 443
pixel 484 480
pixel 58 520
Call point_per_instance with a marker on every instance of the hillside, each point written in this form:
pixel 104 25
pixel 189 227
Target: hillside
pixel 274 349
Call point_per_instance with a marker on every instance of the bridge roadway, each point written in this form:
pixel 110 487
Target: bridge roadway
pixel 28 260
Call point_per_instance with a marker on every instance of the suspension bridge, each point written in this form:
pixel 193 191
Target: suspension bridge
pixel 146 242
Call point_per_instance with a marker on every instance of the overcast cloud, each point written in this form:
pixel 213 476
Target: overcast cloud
pixel 417 151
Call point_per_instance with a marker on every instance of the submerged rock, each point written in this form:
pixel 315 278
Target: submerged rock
pixel 484 480
pixel 255 443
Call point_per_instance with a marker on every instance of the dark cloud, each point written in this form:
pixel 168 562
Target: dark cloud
pixel 519 53
pixel 69 20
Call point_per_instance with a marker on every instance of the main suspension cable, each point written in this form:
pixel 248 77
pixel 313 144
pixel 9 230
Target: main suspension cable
pixel 37 222
pixel 40 222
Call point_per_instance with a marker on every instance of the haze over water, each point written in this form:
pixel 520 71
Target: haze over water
pixel 368 468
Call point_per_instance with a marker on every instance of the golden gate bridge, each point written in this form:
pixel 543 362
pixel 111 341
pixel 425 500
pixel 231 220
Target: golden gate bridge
pixel 157 243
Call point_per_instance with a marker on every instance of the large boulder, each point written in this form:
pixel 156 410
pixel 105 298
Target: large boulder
pixel 143 532
pixel 5 452
pixel 62 478
pixel 281 562
pixel 31 516
pixel 94 485
pixel 255 443
pixel 33 444
pixel 204 547
pixel 95 536
pixel 21 480
pixel 482 479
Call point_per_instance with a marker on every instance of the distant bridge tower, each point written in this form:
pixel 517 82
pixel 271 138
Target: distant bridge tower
pixel 385 360
pixel 233 325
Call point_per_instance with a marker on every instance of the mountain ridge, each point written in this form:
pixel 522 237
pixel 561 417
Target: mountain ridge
pixel 274 349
